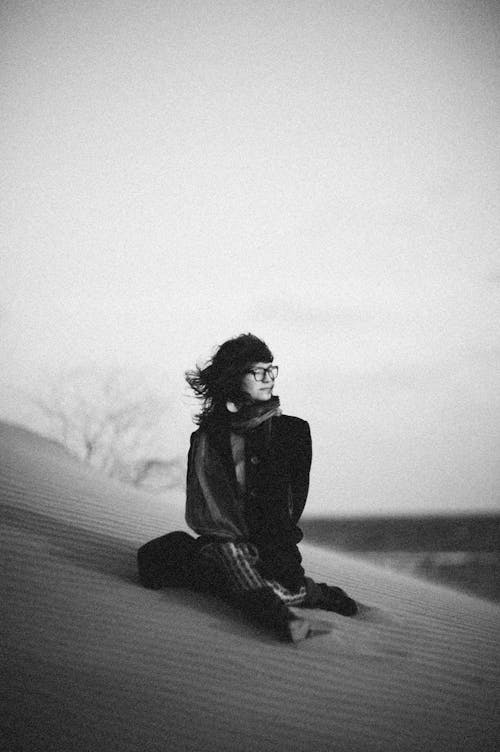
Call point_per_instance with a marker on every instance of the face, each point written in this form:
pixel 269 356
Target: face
pixel 260 391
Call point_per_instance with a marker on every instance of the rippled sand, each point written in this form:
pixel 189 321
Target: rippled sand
pixel 92 661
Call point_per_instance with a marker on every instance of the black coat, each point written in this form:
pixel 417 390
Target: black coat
pixel 277 463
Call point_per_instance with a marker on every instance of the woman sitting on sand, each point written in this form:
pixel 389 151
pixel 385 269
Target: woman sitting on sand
pixel 247 484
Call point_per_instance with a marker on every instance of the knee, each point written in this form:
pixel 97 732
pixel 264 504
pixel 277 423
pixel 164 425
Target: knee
pixel 167 560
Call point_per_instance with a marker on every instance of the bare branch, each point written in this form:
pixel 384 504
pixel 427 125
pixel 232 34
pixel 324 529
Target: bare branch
pixel 111 422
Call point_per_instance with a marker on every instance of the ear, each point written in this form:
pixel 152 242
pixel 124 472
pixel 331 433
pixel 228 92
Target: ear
pixel 231 407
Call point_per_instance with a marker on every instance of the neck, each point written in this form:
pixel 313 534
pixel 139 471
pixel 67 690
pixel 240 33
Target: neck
pixel 251 414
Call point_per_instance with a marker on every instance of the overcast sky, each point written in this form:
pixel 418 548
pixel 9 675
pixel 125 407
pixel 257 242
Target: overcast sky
pixel 323 174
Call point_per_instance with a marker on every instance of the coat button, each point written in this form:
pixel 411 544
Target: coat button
pixel 254 460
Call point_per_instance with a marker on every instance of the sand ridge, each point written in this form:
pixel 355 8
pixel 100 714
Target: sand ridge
pixel 92 661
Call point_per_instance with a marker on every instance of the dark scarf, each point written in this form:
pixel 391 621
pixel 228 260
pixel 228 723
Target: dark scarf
pixel 253 414
pixel 213 507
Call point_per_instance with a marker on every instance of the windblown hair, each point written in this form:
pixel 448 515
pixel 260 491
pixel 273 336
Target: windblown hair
pixel 219 381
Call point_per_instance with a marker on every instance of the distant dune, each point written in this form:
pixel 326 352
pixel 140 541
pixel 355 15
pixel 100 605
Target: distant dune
pixel 436 532
pixel 92 661
pixel 462 550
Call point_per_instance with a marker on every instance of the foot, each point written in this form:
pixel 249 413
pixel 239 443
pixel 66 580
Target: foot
pixel 335 599
pixel 298 629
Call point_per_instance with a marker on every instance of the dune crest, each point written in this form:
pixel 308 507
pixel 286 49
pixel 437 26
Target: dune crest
pixel 92 661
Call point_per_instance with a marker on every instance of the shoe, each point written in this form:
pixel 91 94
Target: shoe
pixel 336 600
pixel 298 629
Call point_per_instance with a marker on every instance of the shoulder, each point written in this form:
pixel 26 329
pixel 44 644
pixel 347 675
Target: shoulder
pixel 292 420
pixel 293 426
pixel 213 434
pixel 195 437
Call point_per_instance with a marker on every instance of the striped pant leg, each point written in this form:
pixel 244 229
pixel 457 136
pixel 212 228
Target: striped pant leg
pixel 233 564
pixel 289 597
pixel 236 563
pixel 235 577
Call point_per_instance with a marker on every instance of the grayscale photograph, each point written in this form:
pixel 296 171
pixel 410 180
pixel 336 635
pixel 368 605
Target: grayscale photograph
pixel 250 375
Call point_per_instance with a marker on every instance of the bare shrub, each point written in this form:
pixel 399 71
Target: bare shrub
pixel 111 420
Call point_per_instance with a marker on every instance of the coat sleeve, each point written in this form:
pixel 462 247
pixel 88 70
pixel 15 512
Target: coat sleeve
pixel 299 471
pixel 212 508
pixel 194 497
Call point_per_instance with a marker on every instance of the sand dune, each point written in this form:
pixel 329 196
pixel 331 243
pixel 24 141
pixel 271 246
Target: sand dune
pixel 92 661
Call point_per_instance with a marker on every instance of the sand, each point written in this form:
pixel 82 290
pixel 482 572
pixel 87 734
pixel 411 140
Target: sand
pixel 93 661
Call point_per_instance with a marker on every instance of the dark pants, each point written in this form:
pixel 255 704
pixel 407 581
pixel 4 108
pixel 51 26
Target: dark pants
pixel 231 571
pixel 177 560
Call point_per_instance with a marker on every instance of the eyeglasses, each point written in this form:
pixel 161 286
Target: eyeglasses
pixel 260 373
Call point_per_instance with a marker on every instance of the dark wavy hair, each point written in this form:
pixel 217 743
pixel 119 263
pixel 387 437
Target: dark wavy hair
pixel 219 381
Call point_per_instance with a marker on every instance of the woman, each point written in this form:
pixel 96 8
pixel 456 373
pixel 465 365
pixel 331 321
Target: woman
pixel 247 484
